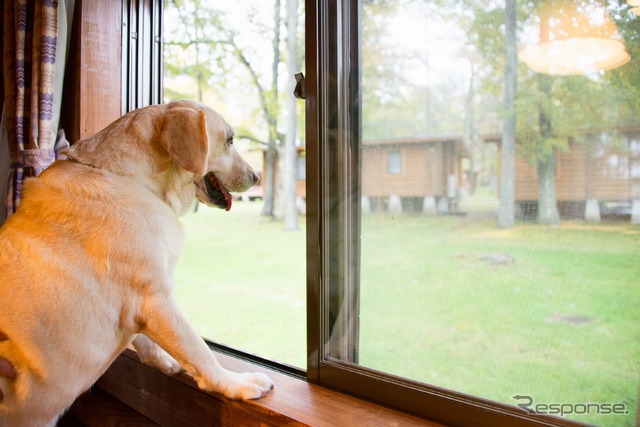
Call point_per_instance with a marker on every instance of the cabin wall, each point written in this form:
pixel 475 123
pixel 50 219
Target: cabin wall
pixel 616 172
pixel 422 171
pixel 587 171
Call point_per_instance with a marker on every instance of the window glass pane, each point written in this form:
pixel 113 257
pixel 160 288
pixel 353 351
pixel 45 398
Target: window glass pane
pixel 241 279
pixel 539 311
pixel 394 162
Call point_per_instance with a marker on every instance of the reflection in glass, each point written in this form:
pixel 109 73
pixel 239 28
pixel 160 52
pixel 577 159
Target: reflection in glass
pixel 444 296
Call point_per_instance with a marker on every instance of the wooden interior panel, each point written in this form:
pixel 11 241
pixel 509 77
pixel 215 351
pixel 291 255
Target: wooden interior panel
pixel 157 399
pixel 91 97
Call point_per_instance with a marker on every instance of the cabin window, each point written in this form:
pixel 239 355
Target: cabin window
pixel 394 162
pixel 475 281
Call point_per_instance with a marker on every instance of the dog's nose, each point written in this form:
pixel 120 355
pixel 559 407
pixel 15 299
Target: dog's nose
pixel 256 178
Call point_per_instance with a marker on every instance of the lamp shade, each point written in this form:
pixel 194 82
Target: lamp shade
pixel 570 37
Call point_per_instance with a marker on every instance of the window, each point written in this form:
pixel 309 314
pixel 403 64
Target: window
pixel 437 308
pixel 241 278
pixel 141 53
pixel 432 309
pixel 394 162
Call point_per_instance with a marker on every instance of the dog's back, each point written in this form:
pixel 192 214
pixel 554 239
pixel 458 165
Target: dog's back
pixel 88 261
pixel 63 320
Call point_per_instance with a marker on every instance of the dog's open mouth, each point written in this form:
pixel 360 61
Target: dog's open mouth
pixel 218 195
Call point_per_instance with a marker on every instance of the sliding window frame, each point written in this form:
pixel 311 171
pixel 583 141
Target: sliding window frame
pixel 142 69
pixel 333 150
pixel 333 207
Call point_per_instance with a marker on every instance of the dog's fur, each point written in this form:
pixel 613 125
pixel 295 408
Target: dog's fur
pixel 87 262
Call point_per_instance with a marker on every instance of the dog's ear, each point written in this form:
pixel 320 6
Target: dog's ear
pixel 183 133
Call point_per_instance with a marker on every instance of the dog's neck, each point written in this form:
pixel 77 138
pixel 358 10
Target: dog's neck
pixel 167 185
pixel 90 165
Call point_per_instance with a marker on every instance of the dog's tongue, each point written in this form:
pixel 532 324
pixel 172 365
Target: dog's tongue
pixel 227 198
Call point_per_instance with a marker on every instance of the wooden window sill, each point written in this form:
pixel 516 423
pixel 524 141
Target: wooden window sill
pixel 164 400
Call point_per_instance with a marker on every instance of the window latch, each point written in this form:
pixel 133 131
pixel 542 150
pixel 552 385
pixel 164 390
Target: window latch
pixel 298 91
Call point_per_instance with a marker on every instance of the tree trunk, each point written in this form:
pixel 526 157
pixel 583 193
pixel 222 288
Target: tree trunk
pixel 268 195
pixel 506 212
pixel 546 162
pixel 469 130
pixel 547 203
pixel 289 175
pixel 269 184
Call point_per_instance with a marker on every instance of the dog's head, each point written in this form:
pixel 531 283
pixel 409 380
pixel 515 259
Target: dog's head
pixel 179 149
pixel 209 153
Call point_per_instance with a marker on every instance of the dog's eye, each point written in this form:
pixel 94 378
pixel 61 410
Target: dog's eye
pixel 230 140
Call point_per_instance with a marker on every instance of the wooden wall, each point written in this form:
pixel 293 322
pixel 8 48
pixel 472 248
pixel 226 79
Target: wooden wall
pixel 571 184
pixel 586 171
pixel 92 93
pixel 425 167
pixel 615 173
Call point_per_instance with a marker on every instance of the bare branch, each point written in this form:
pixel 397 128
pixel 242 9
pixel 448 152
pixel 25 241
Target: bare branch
pixel 252 139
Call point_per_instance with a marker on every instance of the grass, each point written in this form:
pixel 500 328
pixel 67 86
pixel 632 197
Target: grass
pixel 242 282
pixel 454 302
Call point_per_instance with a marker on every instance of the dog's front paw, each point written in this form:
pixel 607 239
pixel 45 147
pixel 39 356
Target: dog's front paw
pixel 245 386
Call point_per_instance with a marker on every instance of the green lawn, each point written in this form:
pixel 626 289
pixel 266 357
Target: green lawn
pixel 547 312
pixel 242 281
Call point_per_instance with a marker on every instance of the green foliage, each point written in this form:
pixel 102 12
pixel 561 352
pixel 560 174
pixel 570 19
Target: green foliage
pixel 573 105
pixel 627 78
pixel 394 103
pixel 196 41
pixel 209 54
pixel 394 106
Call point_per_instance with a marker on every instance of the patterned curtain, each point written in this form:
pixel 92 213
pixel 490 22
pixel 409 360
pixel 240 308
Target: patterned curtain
pixel 29 68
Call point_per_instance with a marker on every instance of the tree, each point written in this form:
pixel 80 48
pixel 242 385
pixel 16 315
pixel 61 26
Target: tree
pixel 198 57
pixel 546 161
pixel 290 152
pixel 271 118
pixel 403 91
pixel 506 212
pixel 206 39
pixel 551 111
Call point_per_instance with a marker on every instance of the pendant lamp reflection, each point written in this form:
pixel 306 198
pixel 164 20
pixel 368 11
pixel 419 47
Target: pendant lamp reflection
pixel 573 37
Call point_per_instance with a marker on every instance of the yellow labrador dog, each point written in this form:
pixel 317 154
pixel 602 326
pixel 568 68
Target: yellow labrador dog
pixel 87 262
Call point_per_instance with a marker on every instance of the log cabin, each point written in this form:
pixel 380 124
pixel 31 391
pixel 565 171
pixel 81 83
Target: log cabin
pixel 597 178
pixel 413 174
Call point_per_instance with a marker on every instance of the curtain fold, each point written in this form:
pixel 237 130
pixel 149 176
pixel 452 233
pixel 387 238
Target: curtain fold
pixel 29 69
